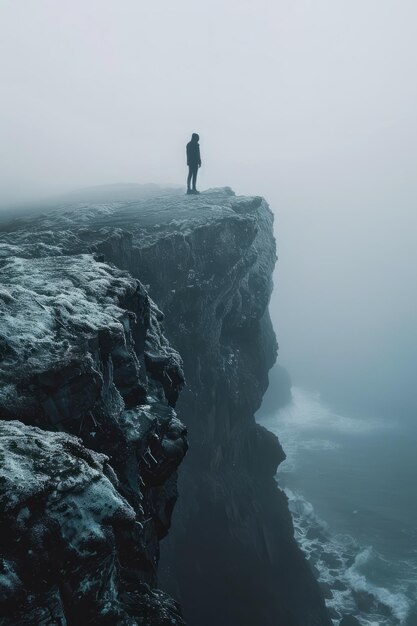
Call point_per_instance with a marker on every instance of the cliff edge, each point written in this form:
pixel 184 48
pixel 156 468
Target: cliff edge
pixel 205 261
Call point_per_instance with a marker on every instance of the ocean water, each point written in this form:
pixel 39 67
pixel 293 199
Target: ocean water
pixel 351 484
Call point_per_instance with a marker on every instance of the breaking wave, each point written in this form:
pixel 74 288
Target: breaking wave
pixel 340 565
pixel 355 578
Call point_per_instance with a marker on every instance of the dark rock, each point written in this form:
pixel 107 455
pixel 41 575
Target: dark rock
pixel 349 620
pixel 333 614
pixel 208 261
pixel 338 585
pixel 331 560
pixel 383 609
pixel 326 591
pixel 78 335
pixel 314 568
pixel 62 520
pixel 364 601
pixel 349 560
pixel 314 532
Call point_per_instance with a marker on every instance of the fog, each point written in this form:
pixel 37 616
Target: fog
pixel 311 104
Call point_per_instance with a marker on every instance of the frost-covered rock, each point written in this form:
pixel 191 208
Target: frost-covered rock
pixel 69 325
pixel 82 350
pixel 62 520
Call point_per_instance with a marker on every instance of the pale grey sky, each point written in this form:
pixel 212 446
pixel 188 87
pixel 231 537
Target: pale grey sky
pixel 103 89
pixel 311 103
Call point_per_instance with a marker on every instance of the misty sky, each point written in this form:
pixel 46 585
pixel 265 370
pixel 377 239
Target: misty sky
pixel 311 103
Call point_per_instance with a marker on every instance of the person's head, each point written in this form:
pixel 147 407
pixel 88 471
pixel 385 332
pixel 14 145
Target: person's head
pixel 195 137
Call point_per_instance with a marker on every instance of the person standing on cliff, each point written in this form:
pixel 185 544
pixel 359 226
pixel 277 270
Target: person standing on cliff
pixel 193 162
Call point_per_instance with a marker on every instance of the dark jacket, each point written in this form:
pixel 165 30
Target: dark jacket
pixel 193 154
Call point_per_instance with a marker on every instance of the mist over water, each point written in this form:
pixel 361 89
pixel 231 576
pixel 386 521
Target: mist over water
pixel 350 483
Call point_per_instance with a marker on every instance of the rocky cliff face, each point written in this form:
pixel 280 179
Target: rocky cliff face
pixel 82 352
pixel 207 262
pixel 66 534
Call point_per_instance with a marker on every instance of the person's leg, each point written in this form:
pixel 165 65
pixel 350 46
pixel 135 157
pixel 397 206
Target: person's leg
pixel 195 171
pixel 190 173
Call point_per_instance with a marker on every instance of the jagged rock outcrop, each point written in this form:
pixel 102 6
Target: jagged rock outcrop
pixel 207 261
pixel 82 351
pixel 63 520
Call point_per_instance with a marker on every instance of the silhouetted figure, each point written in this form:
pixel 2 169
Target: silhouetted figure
pixel 193 162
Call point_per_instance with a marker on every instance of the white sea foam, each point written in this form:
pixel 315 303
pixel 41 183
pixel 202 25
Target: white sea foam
pixel 340 561
pixel 300 426
pixel 398 603
pixel 307 425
